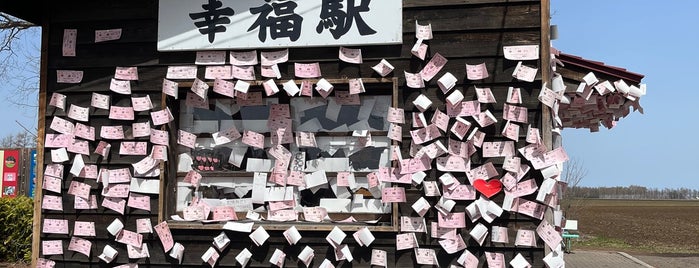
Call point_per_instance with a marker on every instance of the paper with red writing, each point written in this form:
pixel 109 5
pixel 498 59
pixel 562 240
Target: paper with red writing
pixel 81 203
pixel 395 115
pixel 314 214
pixel 141 103
pixel 549 234
pixel 452 246
pixel 464 108
pixel 121 175
pixel 426 134
pixel 138 252
pixel 84 228
pixel 70 37
pixel 84 131
pixel 485 95
pixel 139 201
pixel 524 73
pixel 51 247
pixel 523 188
pixel 62 126
pixel 79 189
pixel 529 208
pixel 186 139
pixel 165 235
pixel 58 140
pixel 476 137
pixel 219 72
pixel 533 135
pixel 511 131
pixel 79 147
pixel 345 98
pixel 282 215
pixel 89 172
pixel 224 87
pixel 307 70
pixel 249 99
pixel 433 67
pixel 406 241
pixel 379 258
pixel 45 263
pixel 162 117
pixel 52 202
pixel 159 137
pixel 498 149
pixel 495 260
pixel 525 238
pixel 54 170
pixel 59 155
pixel 126 73
pixel 82 246
pixel 244 58
pixel 170 88
pixel 129 238
pixel 393 195
pixel 69 76
pixel 224 213
pixel 514 95
pixel 460 192
pixel 383 68
pixel 243 72
pixel 210 58
pixel 141 129
pixel 121 113
pixel 55 226
pixel 485 119
pixel 521 52
pixel 269 58
pixel 107 35
pixel 120 86
pixel 485 171
pixel 423 32
pixel 58 100
pixel 181 72
pixel 515 113
pixel 460 127
pixel 351 55
pixel 441 232
pixel 413 165
pixel 426 256
pixel 115 204
pixel 476 72
pixel 452 220
pixel 414 80
pixel 413 224
pixel 254 139
pixel 133 148
pixel 453 163
pixel 100 101
pixel 419 49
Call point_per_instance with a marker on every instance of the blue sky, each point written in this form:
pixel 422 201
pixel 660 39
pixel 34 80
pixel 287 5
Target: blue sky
pixel 657 39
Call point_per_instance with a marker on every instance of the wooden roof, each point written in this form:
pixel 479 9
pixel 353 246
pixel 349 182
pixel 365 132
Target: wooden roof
pixel 29 10
pixel 584 66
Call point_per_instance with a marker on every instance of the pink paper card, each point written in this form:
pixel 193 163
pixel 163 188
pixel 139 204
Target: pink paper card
pixel 476 72
pixel 141 103
pixel 529 208
pixel 533 135
pixel 254 139
pixel 514 95
pixel 460 192
pixel 171 88
pixel 194 101
pixel 521 52
pixel 378 258
pixel 126 73
pixel 419 50
pixel 84 228
pixel 121 113
pixel 423 32
pixel 200 88
pixel 511 131
pixel 89 172
pixel 58 140
pixel 55 226
pixel 452 220
pixel 63 126
pixel 103 148
pixel 115 204
pixel 112 132
pixel 79 189
pixel 141 129
pixel 58 100
pixel 515 113
pixel 498 149
pixel 406 241
pixel 84 131
pixel 70 37
pixel 186 139
pixel 306 88
pixel 133 148
pixel 116 191
pixel 524 73
pixel 52 247
pixel 79 147
pixel 139 201
pixel 307 70
pixel 100 101
pixel 45 263
pixel 144 226
pixel 523 188
pixel 426 256
pixel 442 233
pixel 395 132
pixel 453 163
pixel 270 72
pixel 129 238
pixel 485 95
pixel 426 134
pixel 495 260
pixel 412 224
pixel 165 235
pixel 120 86
pixel 54 170
pixel 393 195
pixel 244 58
pixel 210 58
pixel 249 99
pixel 181 72
pixel 52 184
pixel 81 203
pixel 52 202
pixel 107 35
pixel 279 110
pixel 224 213
pixel 159 137
pixel 441 120
pixel 395 115
pixel 243 72
pixel 226 136
pixel 121 175
pixel 296 178
pixel 69 76
pixel 193 178
pixel 433 67
pixel 282 215
pixel 351 55
pixel 465 108
pixel 314 214
pixel 356 86
pixel 224 87
pixel 485 119
pixel 485 171
pixel 345 98
pixel 414 80
pixel 80 245
pixel 159 152
pixel 269 58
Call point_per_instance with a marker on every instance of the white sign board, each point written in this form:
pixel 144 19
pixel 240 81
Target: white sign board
pixel 246 24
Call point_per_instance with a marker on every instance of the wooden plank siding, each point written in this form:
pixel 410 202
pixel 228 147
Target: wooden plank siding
pixel 465 32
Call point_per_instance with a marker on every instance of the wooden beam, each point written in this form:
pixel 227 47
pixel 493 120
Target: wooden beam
pixel 41 133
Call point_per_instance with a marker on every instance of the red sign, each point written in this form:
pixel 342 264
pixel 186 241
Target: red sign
pixel 10 172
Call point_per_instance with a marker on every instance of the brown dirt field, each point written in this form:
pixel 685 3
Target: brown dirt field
pixel 638 226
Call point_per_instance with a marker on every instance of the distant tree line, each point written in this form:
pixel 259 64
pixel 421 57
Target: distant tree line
pixel 631 192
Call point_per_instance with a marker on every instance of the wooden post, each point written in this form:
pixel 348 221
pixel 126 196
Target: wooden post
pixel 546 116
pixel 41 133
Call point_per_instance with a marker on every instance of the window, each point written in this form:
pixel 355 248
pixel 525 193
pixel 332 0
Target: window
pixel 334 146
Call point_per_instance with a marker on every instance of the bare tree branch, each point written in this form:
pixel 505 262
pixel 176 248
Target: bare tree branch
pixel 19 63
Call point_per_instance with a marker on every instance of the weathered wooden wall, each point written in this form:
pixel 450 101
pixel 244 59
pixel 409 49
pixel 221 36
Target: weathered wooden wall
pixel 465 32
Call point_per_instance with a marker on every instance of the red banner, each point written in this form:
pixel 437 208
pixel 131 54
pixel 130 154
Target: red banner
pixel 10 172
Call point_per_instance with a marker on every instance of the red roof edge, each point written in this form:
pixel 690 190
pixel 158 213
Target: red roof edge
pixel 599 67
